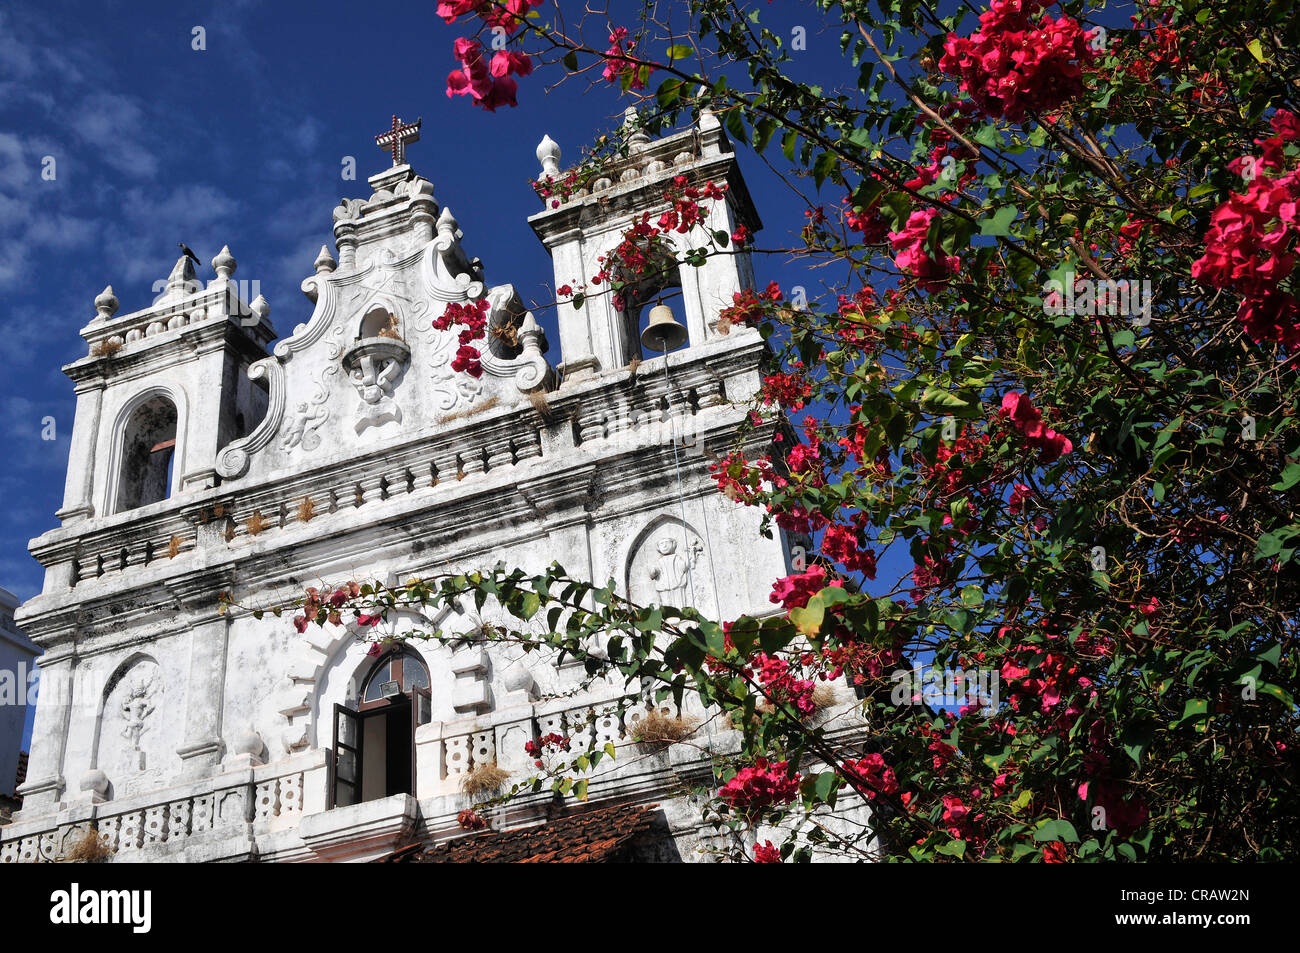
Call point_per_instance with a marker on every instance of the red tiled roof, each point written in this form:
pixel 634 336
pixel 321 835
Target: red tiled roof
pixel 599 836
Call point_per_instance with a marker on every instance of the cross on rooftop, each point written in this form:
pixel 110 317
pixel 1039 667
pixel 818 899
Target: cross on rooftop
pixel 396 139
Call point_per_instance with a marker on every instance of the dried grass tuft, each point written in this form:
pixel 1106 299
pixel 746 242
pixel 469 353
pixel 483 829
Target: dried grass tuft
pixel 541 403
pixel 472 410
pixel 484 779
pixel 657 729
pixel 255 523
pixel 92 848
pixel 823 695
pixel 633 364
pixel 174 547
pixel 723 326
pixel 106 348
pixel 306 510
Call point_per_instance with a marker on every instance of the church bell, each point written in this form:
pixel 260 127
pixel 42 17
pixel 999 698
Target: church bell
pixel 663 333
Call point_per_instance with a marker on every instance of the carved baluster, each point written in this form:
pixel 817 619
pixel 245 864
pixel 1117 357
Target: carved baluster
pixel 202 814
pixel 485 748
pixel 607 727
pixel 156 828
pixel 131 833
pixel 458 756
pixel 291 794
pixel 268 800
pixel 178 818
pixel 579 728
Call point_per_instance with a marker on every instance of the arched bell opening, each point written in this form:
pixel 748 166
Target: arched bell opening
pixel 146 467
pixel 645 330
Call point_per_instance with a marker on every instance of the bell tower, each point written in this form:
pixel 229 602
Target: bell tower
pixel 161 391
pixel 589 222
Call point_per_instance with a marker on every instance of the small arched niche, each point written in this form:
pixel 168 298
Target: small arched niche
pixel 379 322
pixel 668 564
pixel 148 454
pixel 130 737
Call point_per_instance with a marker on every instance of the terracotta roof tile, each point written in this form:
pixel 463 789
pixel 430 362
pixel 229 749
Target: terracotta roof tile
pixel 596 836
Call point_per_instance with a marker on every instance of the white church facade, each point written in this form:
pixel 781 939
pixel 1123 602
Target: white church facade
pixel 205 460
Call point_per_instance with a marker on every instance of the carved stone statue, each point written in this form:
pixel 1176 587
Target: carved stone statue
pixel 136 710
pixel 671 574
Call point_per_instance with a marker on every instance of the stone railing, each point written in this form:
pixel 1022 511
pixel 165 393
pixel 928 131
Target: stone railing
pixel 105 549
pixel 209 819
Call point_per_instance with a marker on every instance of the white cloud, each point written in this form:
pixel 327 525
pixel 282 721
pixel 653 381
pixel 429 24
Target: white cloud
pixel 115 125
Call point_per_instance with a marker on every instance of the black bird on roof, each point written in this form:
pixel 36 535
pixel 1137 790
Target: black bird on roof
pixel 189 254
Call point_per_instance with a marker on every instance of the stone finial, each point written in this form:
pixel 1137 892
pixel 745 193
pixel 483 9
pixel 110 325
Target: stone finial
pixel 182 281
pixel 260 307
pixel 447 224
pixel 637 138
pixel 548 154
pixel 519 679
pixel 224 264
pixel 531 334
pixel 249 742
pixel 708 120
pixel 105 304
pixel 324 261
pixel 95 783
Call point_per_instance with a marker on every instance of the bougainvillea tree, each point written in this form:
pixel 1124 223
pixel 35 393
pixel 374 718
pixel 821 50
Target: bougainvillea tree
pixel 1053 373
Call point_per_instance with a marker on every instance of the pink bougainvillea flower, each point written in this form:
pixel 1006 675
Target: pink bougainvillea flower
pixel 1012 65
pixel 793 592
pixel 1028 421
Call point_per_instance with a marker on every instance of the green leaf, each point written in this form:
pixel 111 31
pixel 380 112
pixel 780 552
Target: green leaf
pixel 679 52
pixel 571 62
pixel 808 620
pixel 531 603
pixel 580 790
pixel 1270 544
pixel 1290 477
pixel 670 91
pixel 825 163
pixel 1194 710
pixel 954 848
pixel 972 595
pixel 934 398
pixel 788 143
pixel 714 638
pixel 1137 737
pixel 1256 49
pixel 828 782
pixel 999 223
pixel 1058 829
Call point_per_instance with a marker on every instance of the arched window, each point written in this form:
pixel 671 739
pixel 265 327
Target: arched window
pixel 374 744
pixel 399 672
pixel 148 451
